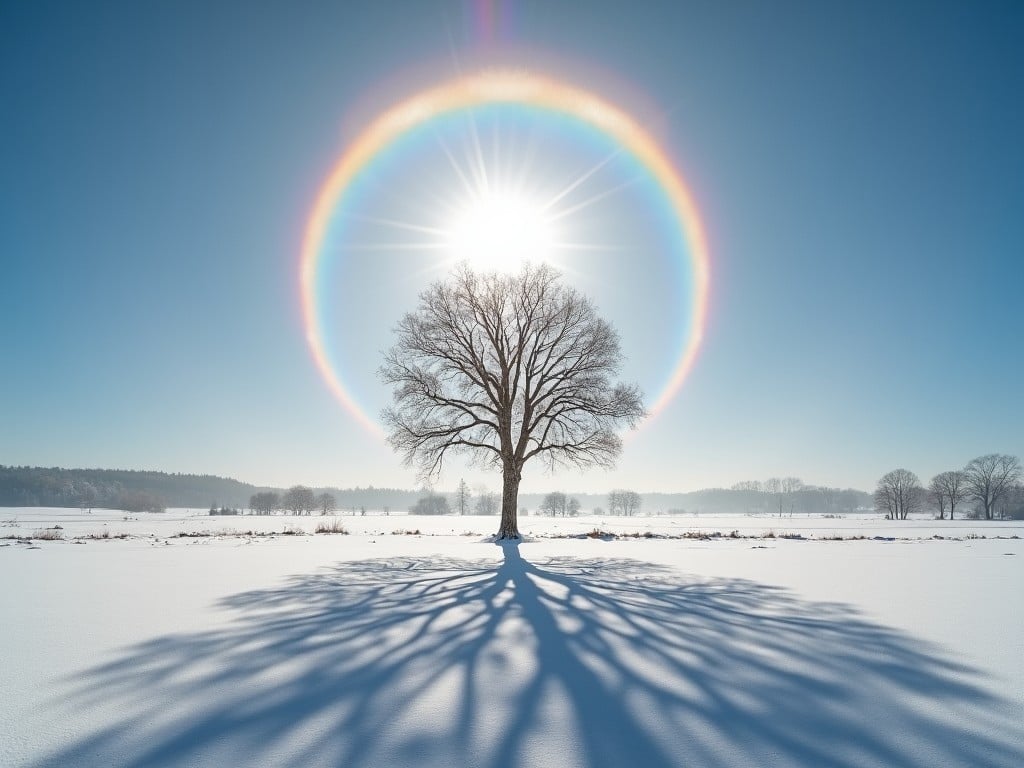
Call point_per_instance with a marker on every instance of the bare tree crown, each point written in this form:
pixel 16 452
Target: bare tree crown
pixel 899 493
pixel 507 368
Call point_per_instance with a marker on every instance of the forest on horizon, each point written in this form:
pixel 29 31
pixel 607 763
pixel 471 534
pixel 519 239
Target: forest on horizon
pixel 144 490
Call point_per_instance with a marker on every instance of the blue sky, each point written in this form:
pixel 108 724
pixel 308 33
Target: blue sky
pixel 858 167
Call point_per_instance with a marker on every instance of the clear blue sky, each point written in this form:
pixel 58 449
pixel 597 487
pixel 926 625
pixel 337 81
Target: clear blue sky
pixel 859 168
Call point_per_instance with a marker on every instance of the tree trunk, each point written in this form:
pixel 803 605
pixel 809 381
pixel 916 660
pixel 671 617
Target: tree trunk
pixel 509 528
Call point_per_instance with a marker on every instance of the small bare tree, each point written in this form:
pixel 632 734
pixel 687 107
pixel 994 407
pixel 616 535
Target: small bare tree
pixel 431 504
pixel 948 488
pixel 487 503
pixel 790 487
pixel 463 497
pixel 326 503
pixel 506 368
pixel 554 503
pixel 265 503
pixel 990 477
pixel 615 502
pixel 899 493
pixel 299 500
pixel 622 502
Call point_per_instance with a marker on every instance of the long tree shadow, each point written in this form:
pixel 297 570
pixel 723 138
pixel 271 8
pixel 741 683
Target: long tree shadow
pixel 589 663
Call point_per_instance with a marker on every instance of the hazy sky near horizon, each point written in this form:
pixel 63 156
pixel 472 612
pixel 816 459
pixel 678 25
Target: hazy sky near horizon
pixel 858 168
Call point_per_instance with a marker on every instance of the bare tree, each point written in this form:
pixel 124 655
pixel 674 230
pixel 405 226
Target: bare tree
pixel 948 488
pixel 748 485
pixel 633 502
pixel 989 478
pixel 264 503
pixel 506 368
pixel 790 487
pixel 431 504
pixel 326 503
pixel 487 503
pixel 572 507
pixel 554 503
pixel 299 499
pixel 463 497
pixel 615 502
pixel 899 493
pixel 622 502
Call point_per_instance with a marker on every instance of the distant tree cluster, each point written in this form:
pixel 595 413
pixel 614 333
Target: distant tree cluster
pixel 265 503
pixel 299 500
pixel 326 503
pixel 557 503
pixel 789 495
pixel 431 504
pixel 487 503
pixel 992 483
pixel 898 494
pixel 135 501
pixel 82 488
pixel 136 491
pixel 947 490
pixel 129 490
pixel 622 502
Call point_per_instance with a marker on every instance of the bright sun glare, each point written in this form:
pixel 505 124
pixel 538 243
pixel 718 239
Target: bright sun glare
pixel 501 232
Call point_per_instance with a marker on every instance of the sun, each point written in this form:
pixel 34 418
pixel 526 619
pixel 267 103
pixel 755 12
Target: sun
pixel 500 232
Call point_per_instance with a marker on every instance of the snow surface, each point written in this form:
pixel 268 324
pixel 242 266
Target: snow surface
pixel 443 649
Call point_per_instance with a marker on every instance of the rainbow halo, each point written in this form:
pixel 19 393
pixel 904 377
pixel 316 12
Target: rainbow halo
pixel 498 213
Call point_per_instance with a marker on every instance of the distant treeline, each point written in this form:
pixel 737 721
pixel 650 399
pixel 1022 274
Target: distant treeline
pixel 805 499
pixel 140 491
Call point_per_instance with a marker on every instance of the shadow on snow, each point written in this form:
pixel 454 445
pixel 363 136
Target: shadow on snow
pixel 569 662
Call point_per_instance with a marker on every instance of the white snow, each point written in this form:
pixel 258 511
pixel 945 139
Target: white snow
pixel 442 649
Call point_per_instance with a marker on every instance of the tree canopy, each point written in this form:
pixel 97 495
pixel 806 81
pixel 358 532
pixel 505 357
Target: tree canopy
pixel 507 368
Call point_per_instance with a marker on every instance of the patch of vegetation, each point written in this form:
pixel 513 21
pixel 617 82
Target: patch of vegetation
pixel 224 511
pixel 700 535
pixel 101 536
pixel 49 534
pixel 333 526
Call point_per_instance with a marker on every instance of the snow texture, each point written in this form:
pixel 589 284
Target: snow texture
pixel 382 649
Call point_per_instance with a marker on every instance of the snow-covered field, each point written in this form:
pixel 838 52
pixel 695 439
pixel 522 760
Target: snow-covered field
pixel 382 648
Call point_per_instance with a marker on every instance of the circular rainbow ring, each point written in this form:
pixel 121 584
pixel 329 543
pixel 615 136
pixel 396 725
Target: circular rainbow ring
pixel 502 87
